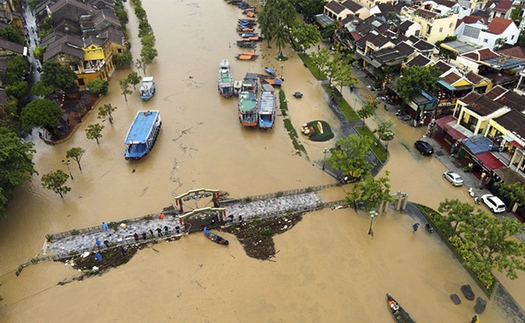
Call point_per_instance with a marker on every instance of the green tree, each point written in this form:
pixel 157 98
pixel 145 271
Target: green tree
pixel 367 110
pixel 17 89
pixel 18 65
pixel 311 8
pixel 12 34
pixel 99 86
pixel 124 86
pixel 104 112
pixel 38 53
pixel 56 181
pixel 16 165
pixel 148 54
pixel 57 75
pixel 134 79
pixel 350 156
pixel 41 113
pixel 457 214
pixel 94 131
pixel 371 192
pixel 516 15
pixel 329 31
pixel 304 36
pixel 384 130
pixel 322 59
pixel 76 154
pixel 415 79
pixel 40 89
pixel 123 60
pixel 514 192
pixel 267 19
pixel 122 16
pixel 340 69
pixel 9 115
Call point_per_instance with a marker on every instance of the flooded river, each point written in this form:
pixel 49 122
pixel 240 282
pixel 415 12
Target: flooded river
pixel 327 268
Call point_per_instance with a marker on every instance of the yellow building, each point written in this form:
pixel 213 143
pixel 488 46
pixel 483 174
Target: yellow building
pixel 434 26
pixel 90 58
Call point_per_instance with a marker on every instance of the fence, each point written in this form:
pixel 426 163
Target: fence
pixel 278 194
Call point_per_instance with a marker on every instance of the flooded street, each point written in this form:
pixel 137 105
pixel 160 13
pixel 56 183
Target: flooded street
pixel 327 268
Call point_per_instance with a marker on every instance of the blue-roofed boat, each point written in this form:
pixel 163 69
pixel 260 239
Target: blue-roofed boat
pixel 248 100
pixel 269 71
pixel 225 79
pixel 142 134
pixel 147 88
pixel 215 237
pixel 266 107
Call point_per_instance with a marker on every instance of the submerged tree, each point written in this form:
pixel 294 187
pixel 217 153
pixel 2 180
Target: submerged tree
pixel 124 86
pixel 94 131
pixel 134 79
pixel 76 154
pixel 105 112
pixel 371 192
pixel 55 181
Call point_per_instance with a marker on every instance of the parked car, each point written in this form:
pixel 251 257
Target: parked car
pixel 424 147
pixel 453 178
pixel 494 203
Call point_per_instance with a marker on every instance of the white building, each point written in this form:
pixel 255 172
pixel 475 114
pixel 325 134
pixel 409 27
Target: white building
pixel 477 33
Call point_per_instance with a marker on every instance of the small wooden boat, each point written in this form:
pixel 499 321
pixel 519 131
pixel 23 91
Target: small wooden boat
pixel 246 44
pixel 248 35
pixel 245 29
pixel 400 315
pixel 215 237
pixel 247 57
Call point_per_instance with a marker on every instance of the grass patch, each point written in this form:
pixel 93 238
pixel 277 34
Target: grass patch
pixel 376 147
pixel 288 125
pixel 344 106
pixel 310 65
pixel 327 133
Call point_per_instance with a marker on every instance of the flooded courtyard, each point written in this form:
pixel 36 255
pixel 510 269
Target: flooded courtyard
pixel 327 268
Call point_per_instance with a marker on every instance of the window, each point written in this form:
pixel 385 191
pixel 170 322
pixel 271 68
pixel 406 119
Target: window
pixel 429 30
pixel 440 29
pixel 512 37
pixel 450 26
pixel 81 82
pixel 485 40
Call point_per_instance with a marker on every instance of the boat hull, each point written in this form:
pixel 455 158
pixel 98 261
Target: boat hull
pixel 400 315
pixel 215 237
pixel 142 134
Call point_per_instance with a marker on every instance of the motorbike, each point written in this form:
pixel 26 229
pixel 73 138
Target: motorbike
pixel 429 228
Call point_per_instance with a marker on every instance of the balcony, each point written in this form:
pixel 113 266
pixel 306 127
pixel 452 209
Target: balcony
pixel 93 66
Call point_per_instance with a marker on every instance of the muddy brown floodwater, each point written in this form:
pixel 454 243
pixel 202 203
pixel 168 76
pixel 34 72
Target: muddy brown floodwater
pixel 326 270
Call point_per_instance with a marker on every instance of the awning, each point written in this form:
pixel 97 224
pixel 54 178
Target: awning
pixel 446 85
pixel 447 124
pixel 489 161
pixel 516 144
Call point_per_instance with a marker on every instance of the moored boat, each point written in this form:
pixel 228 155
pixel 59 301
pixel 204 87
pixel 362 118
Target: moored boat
pixel 248 101
pixel 269 71
pixel 215 237
pixel 266 107
pixel 246 44
pixel 225 79
pixel 147 88
pixel 400 315
pixel 247 57
pixel 142 134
